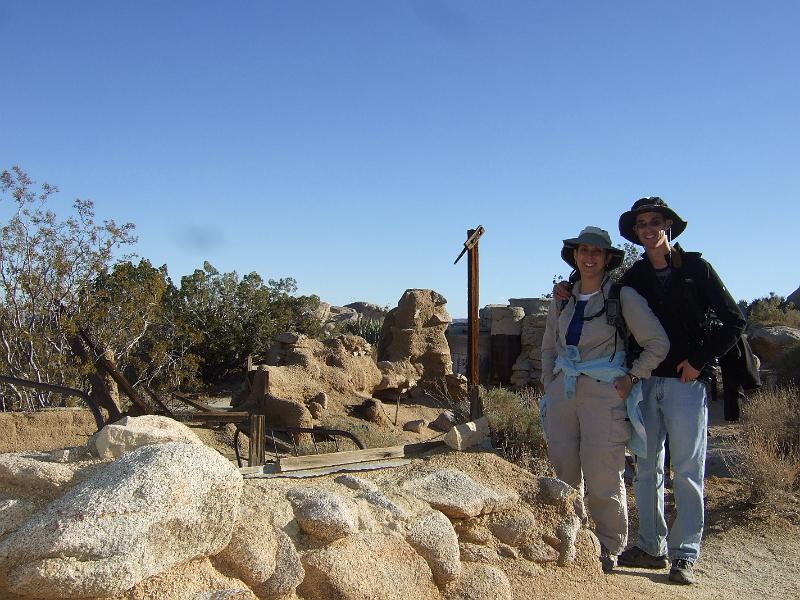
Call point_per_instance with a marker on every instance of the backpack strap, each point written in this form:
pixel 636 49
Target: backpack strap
pixel 615 318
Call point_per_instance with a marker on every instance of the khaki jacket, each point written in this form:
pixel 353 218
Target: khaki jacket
pixel 598 337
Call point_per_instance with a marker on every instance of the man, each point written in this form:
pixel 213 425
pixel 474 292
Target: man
pixel 681 288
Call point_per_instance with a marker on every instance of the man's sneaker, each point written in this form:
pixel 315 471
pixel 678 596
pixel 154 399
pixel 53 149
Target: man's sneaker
pixel 636 557
pixel 607 560
pixel 682 571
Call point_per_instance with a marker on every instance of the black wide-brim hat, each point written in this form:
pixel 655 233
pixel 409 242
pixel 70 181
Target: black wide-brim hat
pixel 593 236
pixel 651 204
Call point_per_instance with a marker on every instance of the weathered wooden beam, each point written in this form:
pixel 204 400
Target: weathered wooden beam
pixel 257 440
pixel 106 365
pixel 216 417
pixel 196 403
pixel 314 461
pixel 100 393
pixel 270 470
pixel 473 287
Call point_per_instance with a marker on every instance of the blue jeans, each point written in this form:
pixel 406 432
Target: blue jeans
pixel 680 410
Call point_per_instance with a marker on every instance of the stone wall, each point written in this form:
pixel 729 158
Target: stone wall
pixel 520 324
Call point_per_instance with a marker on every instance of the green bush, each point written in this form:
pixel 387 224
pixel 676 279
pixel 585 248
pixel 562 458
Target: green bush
pixel 773 310
pixel 238 316
pixel 516 427
pixel 369 329
pixel 48 268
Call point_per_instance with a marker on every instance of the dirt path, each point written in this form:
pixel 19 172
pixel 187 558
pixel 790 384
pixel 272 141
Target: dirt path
pixel 746 553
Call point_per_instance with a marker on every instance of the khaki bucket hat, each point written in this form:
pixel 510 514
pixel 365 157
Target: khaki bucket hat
pixel 593 236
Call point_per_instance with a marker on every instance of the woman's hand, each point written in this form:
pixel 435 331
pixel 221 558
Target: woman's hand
pixel 623 385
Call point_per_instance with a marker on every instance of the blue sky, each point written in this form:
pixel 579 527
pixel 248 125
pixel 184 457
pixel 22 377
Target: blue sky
pixel 351 144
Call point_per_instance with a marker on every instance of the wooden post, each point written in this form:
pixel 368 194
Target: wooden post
pixel 258 433
pixel 257 440
pixel 473 373
pixel 473 330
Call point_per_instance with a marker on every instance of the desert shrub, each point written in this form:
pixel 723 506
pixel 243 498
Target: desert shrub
pixel 516 427
pixel 369 329
pixel 773 310
pixel 48 268
pixel 768 447
pixel 238 316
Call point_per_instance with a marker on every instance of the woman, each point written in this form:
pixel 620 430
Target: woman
pixel 589 391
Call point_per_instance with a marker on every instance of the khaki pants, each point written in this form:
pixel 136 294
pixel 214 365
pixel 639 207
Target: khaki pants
pixel 586 438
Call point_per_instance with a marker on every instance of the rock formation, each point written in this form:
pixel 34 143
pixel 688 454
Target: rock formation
pixel 175 520
pixel 412 346
pixel 156 507
pixel 340 368
pixel 369 311
pixel 769 343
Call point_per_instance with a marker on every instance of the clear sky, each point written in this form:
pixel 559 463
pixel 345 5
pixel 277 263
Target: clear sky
pixel 350 144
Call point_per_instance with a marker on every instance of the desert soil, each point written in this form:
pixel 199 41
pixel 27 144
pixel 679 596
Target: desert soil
pixel 748 551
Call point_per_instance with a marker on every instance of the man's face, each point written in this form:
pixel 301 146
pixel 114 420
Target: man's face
pixel 651 228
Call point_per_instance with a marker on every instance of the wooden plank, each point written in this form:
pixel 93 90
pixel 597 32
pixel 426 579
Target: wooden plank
pixel 315 461
pixel 270 471
pixel 419 448
pixel 256 440
pixel 196 403
pixel 215 417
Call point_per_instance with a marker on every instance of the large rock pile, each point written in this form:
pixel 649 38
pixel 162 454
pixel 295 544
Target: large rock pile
pixel 300 368
pixel 332 317
pixel 176 520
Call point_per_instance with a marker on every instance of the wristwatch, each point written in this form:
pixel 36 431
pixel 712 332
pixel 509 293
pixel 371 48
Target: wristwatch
pixel 634 378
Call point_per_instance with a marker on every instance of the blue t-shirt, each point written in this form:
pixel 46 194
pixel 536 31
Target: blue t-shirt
pixel 576 324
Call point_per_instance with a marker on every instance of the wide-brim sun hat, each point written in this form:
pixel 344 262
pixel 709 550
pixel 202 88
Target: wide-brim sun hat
pixel 593 236
pixel 649 204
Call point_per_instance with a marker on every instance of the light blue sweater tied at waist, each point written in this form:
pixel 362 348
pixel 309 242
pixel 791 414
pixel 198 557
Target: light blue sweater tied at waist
pixel 606 370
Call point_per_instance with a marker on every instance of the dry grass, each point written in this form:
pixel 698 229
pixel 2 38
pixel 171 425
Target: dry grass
pixel 767 453
pixel 516 427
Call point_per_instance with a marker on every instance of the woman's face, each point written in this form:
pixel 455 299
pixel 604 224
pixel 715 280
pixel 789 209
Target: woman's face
pixel 591 260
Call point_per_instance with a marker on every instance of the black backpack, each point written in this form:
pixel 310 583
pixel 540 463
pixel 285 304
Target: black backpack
pixel 741 360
